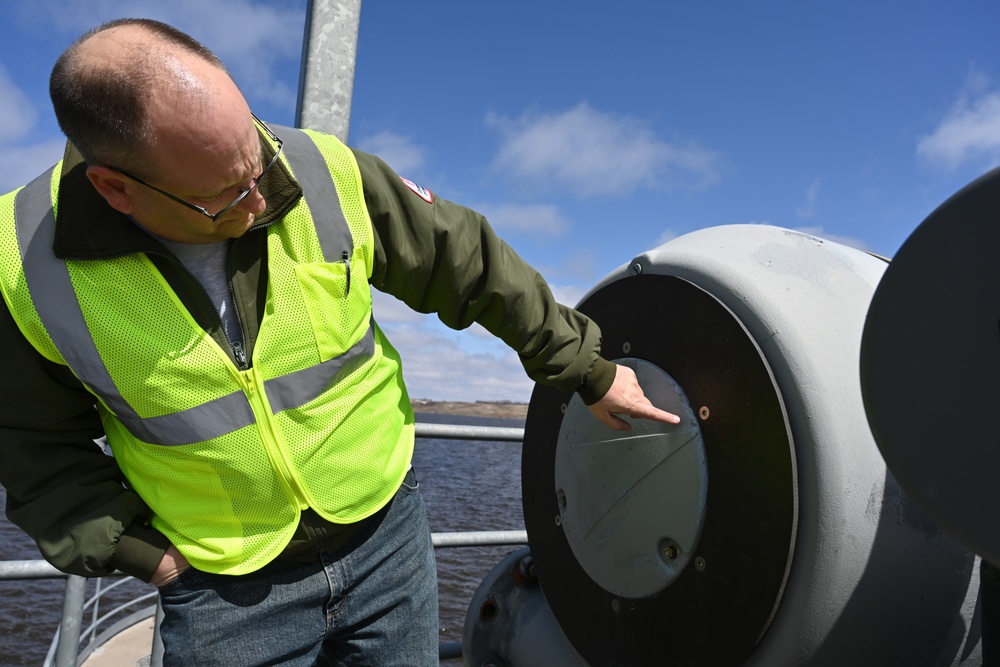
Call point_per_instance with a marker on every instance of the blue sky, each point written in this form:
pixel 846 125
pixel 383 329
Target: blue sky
pixel 590 132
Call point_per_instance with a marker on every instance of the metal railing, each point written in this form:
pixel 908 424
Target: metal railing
pixel 73 643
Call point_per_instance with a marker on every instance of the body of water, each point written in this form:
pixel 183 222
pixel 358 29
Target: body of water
pixel 467 485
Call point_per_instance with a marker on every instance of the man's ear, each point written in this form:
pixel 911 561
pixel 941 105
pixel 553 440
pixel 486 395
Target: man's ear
pixel 111 185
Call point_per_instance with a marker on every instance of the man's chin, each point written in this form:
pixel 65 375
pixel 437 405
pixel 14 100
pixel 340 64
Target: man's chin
pixel 238 227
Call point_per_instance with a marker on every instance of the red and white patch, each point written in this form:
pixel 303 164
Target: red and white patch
pixel 420 191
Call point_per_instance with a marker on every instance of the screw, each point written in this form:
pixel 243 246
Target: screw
pixel 558 520
pixel 699 564
pixel 670 552
pixel 637 268
pixel 526 570
pixel 626 348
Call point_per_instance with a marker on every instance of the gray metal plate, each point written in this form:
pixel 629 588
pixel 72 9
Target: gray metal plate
pixel 632 503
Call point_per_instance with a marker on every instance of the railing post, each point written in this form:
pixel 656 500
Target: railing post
pixel 95 614
pixel 72 618
pixel 326 81
pixel 156 654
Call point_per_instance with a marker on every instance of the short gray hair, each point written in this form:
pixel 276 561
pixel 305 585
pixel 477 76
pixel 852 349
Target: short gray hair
pixel 102 109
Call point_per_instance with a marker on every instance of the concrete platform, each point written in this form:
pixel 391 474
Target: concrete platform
pixel 129 647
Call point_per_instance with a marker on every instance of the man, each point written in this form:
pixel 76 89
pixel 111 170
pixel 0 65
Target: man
pixel 196 288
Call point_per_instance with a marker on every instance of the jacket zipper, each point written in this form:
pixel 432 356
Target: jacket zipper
pixel 241 357
pixel 237 347
pixel 238 350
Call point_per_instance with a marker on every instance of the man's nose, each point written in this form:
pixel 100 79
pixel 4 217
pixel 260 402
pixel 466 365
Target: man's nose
pixel 253 203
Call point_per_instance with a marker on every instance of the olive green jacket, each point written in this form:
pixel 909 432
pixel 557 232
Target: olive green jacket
pixel 436 257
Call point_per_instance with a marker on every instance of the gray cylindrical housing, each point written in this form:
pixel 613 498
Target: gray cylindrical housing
pixel 870 580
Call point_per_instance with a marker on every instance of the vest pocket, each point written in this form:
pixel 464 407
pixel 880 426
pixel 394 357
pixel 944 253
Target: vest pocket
pixel 339 307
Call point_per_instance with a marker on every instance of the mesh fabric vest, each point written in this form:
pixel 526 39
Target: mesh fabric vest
pixel 227 458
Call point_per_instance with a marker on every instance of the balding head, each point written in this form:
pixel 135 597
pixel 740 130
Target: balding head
pixel 116 86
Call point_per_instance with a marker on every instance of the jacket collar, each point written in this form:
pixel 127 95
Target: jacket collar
pixel 88 228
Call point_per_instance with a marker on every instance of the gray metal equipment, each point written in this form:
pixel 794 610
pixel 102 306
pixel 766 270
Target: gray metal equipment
pixel 930 366
pixel 765 528
pixel 930 374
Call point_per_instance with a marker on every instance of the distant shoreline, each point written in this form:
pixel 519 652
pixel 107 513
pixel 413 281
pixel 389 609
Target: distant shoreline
pixel 499 409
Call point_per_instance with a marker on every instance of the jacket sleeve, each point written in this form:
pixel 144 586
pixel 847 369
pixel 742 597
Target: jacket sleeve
pixel 439 257
pixel 61 488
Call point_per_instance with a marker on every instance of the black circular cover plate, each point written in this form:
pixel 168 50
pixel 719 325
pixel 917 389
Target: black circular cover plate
pixel 930 366
pixel 715 612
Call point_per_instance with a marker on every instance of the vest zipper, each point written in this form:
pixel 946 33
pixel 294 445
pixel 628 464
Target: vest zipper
pixel 253 387
pixel 280 463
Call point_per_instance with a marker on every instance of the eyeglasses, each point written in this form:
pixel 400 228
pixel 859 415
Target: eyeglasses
pixel 243 193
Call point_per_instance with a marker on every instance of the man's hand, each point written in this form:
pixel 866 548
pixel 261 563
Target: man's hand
pixel 625 397
pixel 170 567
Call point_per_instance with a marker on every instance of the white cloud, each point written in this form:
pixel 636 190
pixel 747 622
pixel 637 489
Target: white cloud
pixel 442 364
pixel 808 208
pixel 568 295
pixel 665 236
pixel 399 152
pixel 539 219
pixel 250 37
pixel 255 38
pixel 20 164
pixel 436 366
pixel 389 309
pixel 438 362
pixel 578 264
pixel 970 131
pixel 17 115
pixel 593 153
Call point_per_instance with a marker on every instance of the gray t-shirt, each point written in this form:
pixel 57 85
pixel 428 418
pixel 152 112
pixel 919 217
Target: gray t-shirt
pixel 207 263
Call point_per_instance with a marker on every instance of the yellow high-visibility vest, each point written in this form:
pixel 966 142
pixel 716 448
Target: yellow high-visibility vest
pixel 228 458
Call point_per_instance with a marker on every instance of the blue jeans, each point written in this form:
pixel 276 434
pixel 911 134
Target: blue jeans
pixel 373 601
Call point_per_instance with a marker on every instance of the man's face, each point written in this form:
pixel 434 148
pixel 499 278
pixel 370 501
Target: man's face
pixel 208 167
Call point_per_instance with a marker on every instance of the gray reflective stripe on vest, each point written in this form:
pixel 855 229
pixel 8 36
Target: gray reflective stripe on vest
pixel 55 300
pixel 298 388
pixel 313 175
pixel 52 292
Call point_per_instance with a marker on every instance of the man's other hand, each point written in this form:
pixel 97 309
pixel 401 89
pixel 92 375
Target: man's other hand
pixel 171 566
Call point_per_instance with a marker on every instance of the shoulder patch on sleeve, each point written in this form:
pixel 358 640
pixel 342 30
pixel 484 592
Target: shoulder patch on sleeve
pixel 420 191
